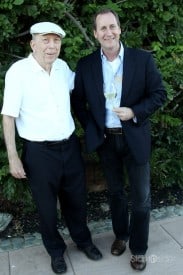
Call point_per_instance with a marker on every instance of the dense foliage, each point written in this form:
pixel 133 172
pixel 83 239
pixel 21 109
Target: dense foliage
pixel 155 25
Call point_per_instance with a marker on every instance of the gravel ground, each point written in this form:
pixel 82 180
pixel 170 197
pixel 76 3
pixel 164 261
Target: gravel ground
pixel 98 209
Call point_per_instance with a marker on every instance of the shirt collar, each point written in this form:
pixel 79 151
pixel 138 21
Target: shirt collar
pixel 120 55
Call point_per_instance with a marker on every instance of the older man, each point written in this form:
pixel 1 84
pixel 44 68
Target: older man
pixel 37 100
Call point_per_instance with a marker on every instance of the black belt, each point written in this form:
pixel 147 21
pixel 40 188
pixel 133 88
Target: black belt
pixel 114 131
pixel 49 142
pixel 56 142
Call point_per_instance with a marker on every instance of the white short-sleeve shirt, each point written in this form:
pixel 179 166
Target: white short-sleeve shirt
pixel 40 102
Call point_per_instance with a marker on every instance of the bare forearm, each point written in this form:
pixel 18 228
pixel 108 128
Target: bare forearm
pixel 16 167
pixel 9 136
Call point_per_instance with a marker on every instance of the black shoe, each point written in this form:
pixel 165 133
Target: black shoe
pixel 58 265
pixel 118 247
pixel 138 262
pixel 91 252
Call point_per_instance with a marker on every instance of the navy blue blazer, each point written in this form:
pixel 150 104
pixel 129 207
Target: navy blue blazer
pixel 142 90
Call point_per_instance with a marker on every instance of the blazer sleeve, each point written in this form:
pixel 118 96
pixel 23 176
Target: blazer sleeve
pixel 78 98
pixel 154 91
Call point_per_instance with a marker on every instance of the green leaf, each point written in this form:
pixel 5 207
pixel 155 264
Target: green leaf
pixel 18 2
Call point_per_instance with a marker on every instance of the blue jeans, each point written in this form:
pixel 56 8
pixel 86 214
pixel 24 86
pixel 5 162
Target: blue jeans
pixel 119 165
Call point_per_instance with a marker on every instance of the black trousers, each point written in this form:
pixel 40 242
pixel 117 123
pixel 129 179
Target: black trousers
pixel 57 169
pixel 118 163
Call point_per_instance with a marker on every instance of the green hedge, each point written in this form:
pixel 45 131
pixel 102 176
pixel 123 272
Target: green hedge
pixel 155 25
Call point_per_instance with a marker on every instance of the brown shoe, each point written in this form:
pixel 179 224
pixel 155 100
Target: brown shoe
pixel 118 247
pixel 138 262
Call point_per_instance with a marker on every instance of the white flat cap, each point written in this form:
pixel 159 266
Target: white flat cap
pixel 47 27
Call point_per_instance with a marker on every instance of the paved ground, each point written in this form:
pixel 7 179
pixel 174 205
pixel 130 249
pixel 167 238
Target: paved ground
pixel 164 256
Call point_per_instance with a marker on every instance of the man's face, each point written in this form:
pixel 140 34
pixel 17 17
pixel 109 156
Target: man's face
pixel 107 31
pixel 46 48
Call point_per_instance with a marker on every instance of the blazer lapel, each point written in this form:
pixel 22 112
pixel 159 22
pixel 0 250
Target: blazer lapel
pixel 128 72
pixel 98 76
